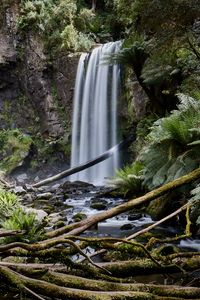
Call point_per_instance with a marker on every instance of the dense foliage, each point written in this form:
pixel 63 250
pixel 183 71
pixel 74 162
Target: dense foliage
pixel 161 45
pixel 170 31
pixel 14 217
pixel 56 21
pixel 66 25
pixel 160 38
pixel 173 144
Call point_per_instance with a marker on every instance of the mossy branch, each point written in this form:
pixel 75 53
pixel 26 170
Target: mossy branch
pixel 187 234
pixel 111 239
pixel 73 288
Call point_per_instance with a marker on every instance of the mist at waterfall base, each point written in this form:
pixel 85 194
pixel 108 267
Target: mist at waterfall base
pixel 95 116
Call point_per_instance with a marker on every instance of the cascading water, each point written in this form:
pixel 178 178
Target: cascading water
pixel 95 114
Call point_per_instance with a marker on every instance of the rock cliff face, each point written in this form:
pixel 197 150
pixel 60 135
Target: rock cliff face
pixel 35 92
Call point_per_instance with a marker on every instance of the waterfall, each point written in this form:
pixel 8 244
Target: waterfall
pixel 95 114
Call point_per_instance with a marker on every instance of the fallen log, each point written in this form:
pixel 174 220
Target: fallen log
pixel 85 165
pixel 78 282
pixel 79 227
pixel 120 269
pixel 76 288
pixel 100 285
pixel 45 245
pixel 48 289
pixel 128 268
pixel 75 269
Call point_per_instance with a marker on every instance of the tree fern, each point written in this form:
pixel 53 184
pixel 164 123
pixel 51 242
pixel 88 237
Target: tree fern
pixel 129 179
pixel 156 75
pixel 173 144
pixel 131 53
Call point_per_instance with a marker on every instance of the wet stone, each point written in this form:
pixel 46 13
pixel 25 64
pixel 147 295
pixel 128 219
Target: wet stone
pixel 126 227
pixel 44 195
pixel 58 203
pixel 42 201
pixel 59 224
pixel 29 188
pixel 77 187
pixel 79 217
pixel 28 198
pixel 48 208
pixel 134 216
pixel 22 177
pixel 39 213
pixel 54 219
pixel 98 204
pixel 19 190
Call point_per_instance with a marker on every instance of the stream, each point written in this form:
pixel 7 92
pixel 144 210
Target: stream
pixel 93 203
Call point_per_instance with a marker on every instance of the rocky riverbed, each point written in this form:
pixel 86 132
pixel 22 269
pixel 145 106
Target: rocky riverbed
pixel 64 202
pixel 67 202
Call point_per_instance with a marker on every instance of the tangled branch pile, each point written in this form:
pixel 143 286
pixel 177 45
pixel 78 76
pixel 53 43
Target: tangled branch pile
pixel 47 270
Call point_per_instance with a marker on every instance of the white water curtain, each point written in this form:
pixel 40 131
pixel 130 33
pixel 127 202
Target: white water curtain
pixel 95 114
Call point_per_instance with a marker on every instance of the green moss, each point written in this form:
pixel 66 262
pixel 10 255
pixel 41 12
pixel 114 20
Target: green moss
pixel 15 147
pixel 145 237
pixel 166 250
pixel 159 207
pixel 48 209
pixel 79 217
pixel 59 224
pixel 98 205
pixel 51 149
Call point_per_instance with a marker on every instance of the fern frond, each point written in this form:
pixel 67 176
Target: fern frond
pixel 173 144
pixel 187 102
pixel 129 179
pixel 127 56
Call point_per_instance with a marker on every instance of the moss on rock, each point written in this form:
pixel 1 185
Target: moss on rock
pixel 15 146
